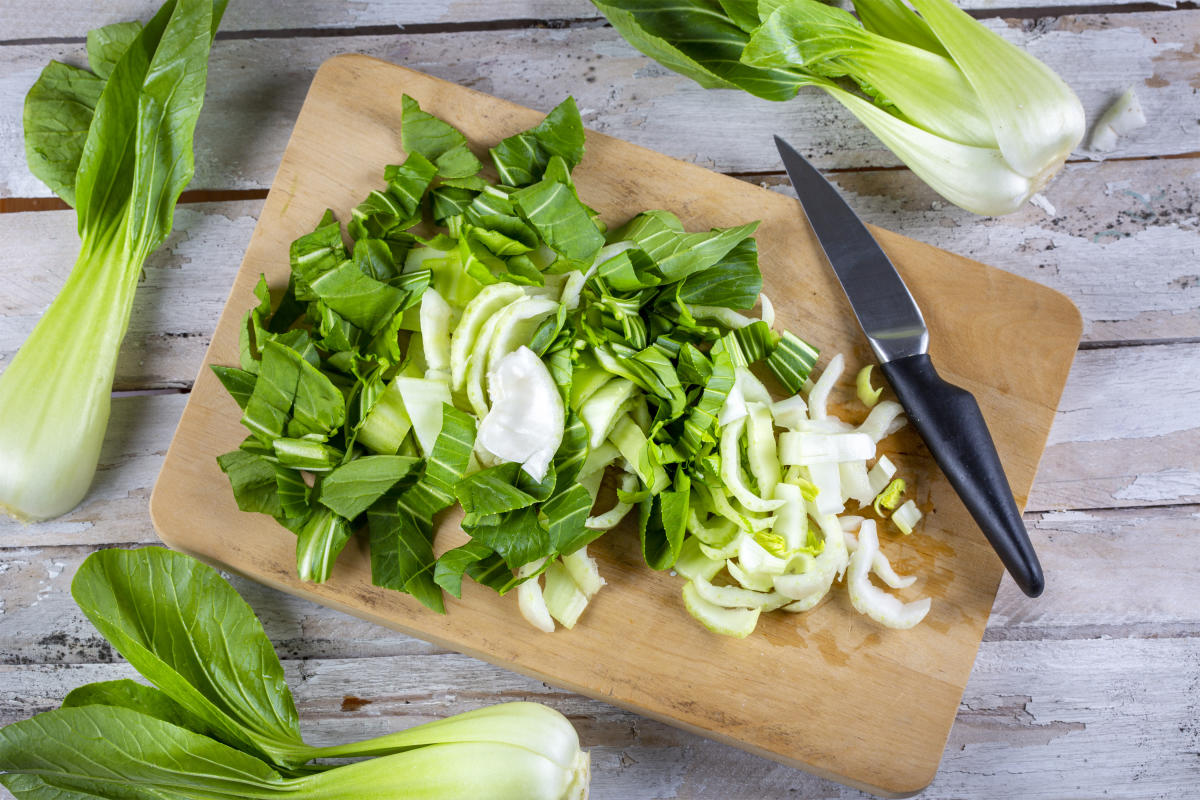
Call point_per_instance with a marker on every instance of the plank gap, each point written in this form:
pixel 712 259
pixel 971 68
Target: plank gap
pixel 1115 344
pixel 1019 12
pixel 560 23
pixel 14 205
pixel 119 393
pixel 523 23
pixel 1063 633
pixel 1038 512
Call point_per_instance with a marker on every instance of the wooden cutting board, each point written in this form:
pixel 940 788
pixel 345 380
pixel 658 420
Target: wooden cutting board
pixel 828 691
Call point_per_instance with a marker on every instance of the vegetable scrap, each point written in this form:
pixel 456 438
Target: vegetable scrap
pixel 1123 117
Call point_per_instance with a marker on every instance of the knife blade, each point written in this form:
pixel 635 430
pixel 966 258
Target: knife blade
pixel 946 416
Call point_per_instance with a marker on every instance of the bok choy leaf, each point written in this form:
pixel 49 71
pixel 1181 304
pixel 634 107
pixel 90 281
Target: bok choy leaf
pixel 139 109
pixel 219 721
pixel 977 118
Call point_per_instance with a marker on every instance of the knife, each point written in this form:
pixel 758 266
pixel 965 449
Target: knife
pixel 946 416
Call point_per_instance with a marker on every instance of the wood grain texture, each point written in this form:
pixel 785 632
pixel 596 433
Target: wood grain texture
pixel 22 19
pixel 1155 467
pixel 1154 548
pixel 1041 720
pixel 256 89
pixel 1122 230
pixel 1087 692
pixel 987 310
pixel 183 287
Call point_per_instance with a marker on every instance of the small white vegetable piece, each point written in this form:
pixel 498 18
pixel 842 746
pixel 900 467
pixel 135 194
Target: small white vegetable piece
pixel 806 449
pixel 869 599
pixel 526 421
pixel 881 474
pixel 435 330
pixel 855 483
pixel 884 420
pixel 530 599
pixel 880 565
pixel 736 622
pixel 584 572
pixel 1122 117
pixel 818 396
pixel 564 600
pixel 791 412
pixel 768 310
pixel 601 410
pixel 906 517
pixel 828 479
pixel 735 597
pixel 423 400
pixel 866 394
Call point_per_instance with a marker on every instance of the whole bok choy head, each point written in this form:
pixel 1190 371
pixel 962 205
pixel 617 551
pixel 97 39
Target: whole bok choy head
pixel 219 720
pixel 116 143
pixel 981 121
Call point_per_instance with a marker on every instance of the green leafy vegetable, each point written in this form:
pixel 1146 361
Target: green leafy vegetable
pixel 221 722
pixel 513 361
pixel 124 176
pixel 980 120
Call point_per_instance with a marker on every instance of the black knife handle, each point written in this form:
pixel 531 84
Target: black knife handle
pixel 950 422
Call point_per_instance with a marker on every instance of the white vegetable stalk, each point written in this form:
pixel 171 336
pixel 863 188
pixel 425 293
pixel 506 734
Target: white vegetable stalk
pixel 980 120
pixel 55 395
pixel 510 751
pixel 526 421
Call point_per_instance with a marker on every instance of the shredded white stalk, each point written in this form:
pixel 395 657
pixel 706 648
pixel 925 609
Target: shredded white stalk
pixel 819 395
pixel 768 310
pixel 530 600
pixel 869 599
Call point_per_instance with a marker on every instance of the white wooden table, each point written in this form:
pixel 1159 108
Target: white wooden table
pixel 1092 690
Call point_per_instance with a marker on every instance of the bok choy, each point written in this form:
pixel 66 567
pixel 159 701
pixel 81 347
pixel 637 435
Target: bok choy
pixel 138 106
pixel 512 353
pixel 977 118
pixel 219 721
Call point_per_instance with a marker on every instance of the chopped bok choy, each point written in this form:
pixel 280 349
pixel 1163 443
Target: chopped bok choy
pixel 980 120
pixel 115 143
pixel 512 360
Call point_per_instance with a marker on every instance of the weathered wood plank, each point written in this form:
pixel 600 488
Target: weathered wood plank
pixel 1123 245
pixel 1128 434
pixel 1041 720
pixel 1152 551
pixel 184 286
pixel 1112 444
pixel 257 86
pixel 27 19
pixel 23 19
pixel 1119 573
